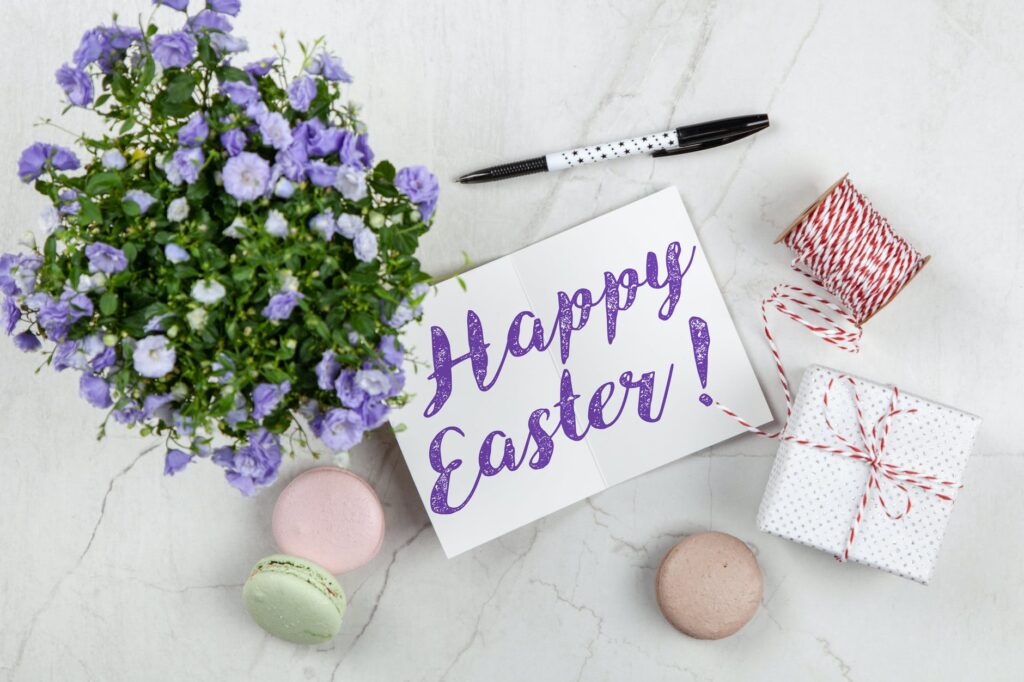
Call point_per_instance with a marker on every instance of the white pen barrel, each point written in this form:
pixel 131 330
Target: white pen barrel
pixel 645 144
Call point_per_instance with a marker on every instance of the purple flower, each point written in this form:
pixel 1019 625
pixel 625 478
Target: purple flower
pixel 113 41
pixel 349 394
pixel 144 200
pixel 240 93
pixel 226 43
pixel 260 68
pixel 67 354
pixel 225 6
pixel 174 49
pixel 129 414
pixel 397 383
pixel 349 225
pixel 175 461
pixel 341 429
pixel 373 382
pixel 266 397
pixel 77 85
pixel 238 414
pixel 253 465
pixel 347 151
pixel 180 5
pixel 365 152
pixel 327 370
pixel 373 413
pixel 105 358
pixel 96 391
pixel 10 313
pixel 38 157
pixel 329 67
pixel 195 131
pixel 122 37
pixel 185 165
pixel 63 159
pixel 284 188
pixel 321 173
pixel 57 317
pixel 175 253
pixel 105 258
pixel 301 93
pixel 209 21
pixel 281 305
pixel 246 176
pixel 91 47
pixel 351 182
pixel 325 141
pixel 233 141
pixel 69 204
pixel 113 159
pixel 27 342
pixel 292 162
pixel 18 273
pixel 158 405
pixel 391 351
pixel 154 357
pixel 257 111
pixel 420 185
pixel 365 245
pixel 323 224
pixel 275 131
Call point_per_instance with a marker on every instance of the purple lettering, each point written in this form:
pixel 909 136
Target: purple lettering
pixel 439 494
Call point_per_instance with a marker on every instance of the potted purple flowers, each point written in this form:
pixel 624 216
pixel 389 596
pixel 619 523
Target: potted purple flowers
pixel 230 264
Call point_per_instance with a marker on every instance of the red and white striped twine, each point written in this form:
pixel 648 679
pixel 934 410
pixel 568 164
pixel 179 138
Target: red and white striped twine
pixel 848 250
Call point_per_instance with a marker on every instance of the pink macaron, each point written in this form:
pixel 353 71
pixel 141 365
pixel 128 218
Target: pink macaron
pixel 330 516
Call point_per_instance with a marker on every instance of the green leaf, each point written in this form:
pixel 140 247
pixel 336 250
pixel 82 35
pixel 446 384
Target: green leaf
pixel 273 374
pixel 168 109
pixel 130 251
pixel 362 323
pixel 108 303
pixel 318 326
pixel 89 213
pixel 180 88
pixel 231 73
pixel 102 183
pixel 385 171
pixel 50 249
pixel 131 209
pixel 198 190
pixel 243 273
pixel 148 72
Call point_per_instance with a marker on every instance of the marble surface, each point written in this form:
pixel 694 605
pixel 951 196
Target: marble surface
pixel 109 571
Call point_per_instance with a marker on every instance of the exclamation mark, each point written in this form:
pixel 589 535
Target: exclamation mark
pixel 701 339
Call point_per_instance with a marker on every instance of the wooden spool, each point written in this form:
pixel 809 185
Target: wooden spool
pixel 817 202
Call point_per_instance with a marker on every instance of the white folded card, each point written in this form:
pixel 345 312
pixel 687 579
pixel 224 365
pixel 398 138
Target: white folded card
pixel 567 367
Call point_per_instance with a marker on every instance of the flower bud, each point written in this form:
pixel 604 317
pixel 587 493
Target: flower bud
pixel 375 219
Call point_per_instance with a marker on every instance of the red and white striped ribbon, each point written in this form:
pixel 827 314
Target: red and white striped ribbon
pixel 850 252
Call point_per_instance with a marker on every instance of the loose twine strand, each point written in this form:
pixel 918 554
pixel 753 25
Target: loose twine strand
pixel 850 252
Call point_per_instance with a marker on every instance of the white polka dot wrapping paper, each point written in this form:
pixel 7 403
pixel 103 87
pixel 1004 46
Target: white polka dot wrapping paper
pixel 814 496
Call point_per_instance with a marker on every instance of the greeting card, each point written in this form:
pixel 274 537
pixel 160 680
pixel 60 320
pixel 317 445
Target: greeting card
pixel 565 368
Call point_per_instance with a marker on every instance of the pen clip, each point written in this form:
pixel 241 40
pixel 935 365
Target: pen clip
pixel 714 134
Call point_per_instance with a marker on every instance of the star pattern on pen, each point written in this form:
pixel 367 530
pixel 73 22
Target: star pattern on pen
pixel 641 145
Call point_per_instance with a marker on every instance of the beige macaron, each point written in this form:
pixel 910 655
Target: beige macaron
pixel 709 585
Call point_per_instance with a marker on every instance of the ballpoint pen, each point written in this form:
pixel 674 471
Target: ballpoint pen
pixel 679 140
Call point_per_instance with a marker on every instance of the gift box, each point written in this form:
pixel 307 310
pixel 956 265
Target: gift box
pixel 867 473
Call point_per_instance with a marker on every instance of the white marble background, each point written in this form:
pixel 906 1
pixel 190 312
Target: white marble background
pixel 108 571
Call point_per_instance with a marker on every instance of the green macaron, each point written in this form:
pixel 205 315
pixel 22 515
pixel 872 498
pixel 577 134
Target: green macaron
pixel 294 599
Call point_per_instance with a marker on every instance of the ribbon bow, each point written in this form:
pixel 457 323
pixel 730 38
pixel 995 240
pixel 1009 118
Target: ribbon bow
pixel 871 451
